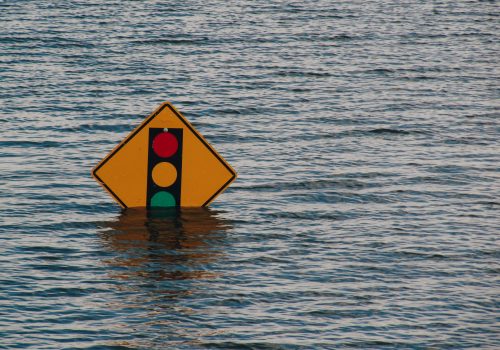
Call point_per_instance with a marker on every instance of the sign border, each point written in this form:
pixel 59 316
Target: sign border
pixel 138 129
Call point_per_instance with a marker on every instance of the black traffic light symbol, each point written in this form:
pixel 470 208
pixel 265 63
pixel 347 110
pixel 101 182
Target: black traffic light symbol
pixel 164 167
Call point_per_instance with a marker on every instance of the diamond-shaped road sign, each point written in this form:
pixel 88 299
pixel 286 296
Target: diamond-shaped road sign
pixel 164 162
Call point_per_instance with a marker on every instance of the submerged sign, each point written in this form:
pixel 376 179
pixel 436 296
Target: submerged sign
pixel 164 162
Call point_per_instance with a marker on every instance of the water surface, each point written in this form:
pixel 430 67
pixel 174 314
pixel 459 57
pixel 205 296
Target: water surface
pixel 365 214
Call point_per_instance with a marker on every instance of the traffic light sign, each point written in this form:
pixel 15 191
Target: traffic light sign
pixel 164 167
pixel 164 162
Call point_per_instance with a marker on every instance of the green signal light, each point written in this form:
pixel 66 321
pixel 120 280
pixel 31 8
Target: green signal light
pixel 163 199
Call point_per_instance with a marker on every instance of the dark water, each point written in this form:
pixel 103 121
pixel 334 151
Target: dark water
pixel 366 212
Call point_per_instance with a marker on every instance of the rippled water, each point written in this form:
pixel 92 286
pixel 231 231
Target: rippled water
pixel 365 215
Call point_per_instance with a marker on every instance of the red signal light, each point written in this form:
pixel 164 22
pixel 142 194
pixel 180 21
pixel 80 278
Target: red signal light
pixel 165 144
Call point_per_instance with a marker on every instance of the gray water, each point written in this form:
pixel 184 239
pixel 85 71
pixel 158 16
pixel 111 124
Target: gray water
pixel 366 139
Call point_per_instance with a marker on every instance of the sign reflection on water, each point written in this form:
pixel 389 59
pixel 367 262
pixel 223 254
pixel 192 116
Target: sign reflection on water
pixel 165 245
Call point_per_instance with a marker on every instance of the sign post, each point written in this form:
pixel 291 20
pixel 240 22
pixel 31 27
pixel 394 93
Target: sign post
pixel 164 162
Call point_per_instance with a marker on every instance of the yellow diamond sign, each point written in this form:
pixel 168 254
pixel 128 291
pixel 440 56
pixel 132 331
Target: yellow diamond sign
pixel 164 162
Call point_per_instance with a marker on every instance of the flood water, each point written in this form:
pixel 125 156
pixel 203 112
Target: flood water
pixel 365 214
